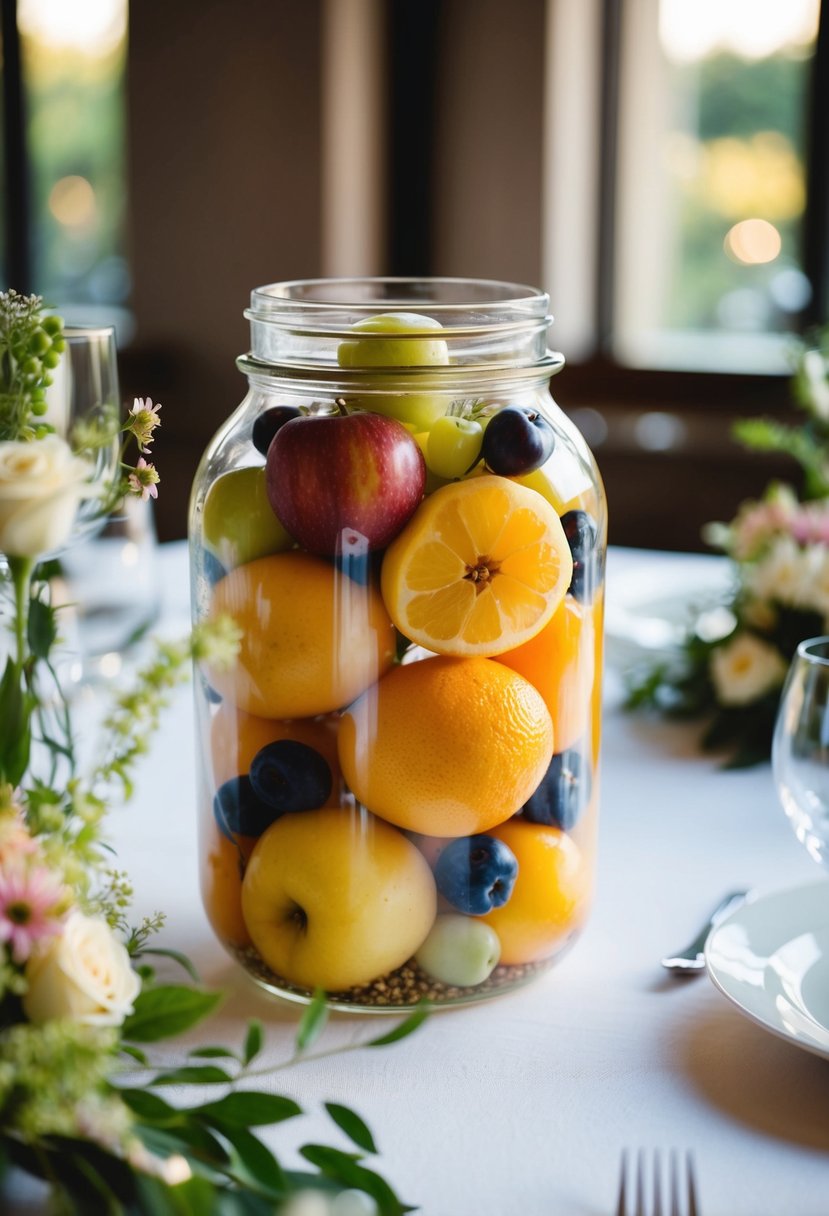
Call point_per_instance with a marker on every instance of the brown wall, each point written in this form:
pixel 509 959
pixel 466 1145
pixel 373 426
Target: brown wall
pixel 488 138
pixel 224 182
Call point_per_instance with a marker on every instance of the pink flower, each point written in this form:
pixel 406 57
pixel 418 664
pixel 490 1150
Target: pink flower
pixel 15 840
pixel 143 480
pixel 29 899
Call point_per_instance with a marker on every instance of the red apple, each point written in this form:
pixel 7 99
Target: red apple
pixel 331 474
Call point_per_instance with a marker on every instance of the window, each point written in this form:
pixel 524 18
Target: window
pixel 73 167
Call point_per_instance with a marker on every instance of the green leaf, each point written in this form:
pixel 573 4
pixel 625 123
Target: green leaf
pixel 196 1197
pixel 167 1010
pixel 248 1108
pixel 134 1053
pixel 42 629
pixel 16 736
pixel 149 1107
pixel 196 1074
pixel 403 1029
pixel 312 1022
pixel 353 1126
pixel 254 1040
pixel 190 1138
pixel 212 1053
pixel 346 1169
pixel 177 957
pixel 254 1162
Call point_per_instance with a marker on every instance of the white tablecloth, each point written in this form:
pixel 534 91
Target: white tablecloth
pixel 523 1105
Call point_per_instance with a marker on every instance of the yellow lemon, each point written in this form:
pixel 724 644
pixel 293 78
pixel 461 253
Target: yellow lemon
pixel 479 569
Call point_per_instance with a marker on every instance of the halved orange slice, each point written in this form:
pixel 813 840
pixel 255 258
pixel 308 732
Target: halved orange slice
pixel 479 569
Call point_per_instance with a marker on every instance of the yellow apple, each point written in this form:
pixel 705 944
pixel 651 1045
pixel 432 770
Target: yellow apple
pixel 335 898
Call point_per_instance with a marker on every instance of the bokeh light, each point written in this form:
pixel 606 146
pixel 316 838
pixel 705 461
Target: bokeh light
pixel 72 202
pixel 753 242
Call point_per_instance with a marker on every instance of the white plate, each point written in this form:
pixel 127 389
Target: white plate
pixel 771 958
pixel 651 609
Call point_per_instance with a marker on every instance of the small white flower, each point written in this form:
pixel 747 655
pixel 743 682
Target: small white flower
pixel 784 575
pixel 41 485
pixel 746 668
pixel 85 975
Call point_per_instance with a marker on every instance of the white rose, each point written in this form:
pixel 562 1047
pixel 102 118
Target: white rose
pixel 84 974
pixel 41 485
pixel 745 668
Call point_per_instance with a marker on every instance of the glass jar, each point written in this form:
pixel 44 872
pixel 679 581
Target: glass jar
pixel 399 772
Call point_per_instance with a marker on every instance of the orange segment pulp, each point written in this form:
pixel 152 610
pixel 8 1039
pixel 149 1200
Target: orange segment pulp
pixel 479 569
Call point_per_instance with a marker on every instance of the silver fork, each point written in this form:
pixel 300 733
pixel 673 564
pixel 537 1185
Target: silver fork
pixel 642 1185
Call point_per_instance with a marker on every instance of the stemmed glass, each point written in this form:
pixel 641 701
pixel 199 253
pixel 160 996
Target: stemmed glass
pixel 85 391
pixel 800 748
pixel 111 581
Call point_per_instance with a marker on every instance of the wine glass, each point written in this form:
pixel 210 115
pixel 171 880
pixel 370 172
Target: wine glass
pixel 109 586
pixel 800 748
pixel 85 391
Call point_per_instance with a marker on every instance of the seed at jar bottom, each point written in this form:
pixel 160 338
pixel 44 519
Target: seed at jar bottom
pixel 403 987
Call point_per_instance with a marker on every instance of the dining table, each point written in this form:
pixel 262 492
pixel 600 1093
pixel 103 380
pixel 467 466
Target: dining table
pixel 523 1105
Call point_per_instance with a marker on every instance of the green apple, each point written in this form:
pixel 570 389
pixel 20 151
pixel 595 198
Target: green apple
pixel 335 898
pixel 417 409
pixel 239 522
pixel 460 950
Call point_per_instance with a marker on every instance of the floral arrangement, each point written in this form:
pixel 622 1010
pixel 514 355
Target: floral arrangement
pixel 82 1104
pixel 779 549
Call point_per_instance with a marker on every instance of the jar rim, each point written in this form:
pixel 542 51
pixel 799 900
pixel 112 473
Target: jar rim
pixel 302 322
pixel 367 294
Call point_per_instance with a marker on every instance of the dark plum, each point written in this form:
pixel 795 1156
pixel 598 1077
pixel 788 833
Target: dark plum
pixel 563 793
pixel 290 776
pixel 268 423
pixel 238 809
pixel 517 440
pixel 582 534
pixel 476 873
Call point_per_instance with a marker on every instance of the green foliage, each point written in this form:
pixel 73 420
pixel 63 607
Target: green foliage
pixel 29 347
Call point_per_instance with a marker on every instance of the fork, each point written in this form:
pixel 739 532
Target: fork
pixel 633 1184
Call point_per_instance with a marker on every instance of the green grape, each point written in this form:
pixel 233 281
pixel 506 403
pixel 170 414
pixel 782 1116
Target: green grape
pixel 59 344
pixel 40 342
pixel 417 409
pixel 52 325
pixel 386 352
pixel 51 359
pixel 39 408
pixel 454 446
pixel 32 368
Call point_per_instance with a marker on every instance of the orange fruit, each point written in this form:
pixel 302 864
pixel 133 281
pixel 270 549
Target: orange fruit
pixel 221 887
pixel 236 737
pixel 446 747
pixel 480 568
pixel 312 639
pixel 549 899
pixel 561 662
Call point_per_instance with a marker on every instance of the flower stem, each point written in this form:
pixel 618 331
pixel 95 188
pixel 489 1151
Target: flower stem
pixel 21 572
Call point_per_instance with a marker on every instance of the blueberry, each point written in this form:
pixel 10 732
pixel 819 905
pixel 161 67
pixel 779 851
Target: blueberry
pixel 239 809
pixel 267 424
pixel 290 776
pixel 476 873
pixel 563 793
pixel 516 441
pixel 582 534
